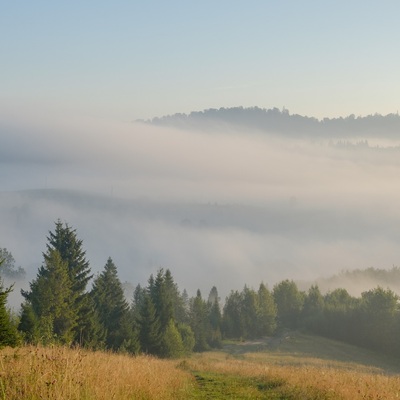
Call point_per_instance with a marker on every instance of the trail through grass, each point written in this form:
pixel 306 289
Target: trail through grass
pixel 294 367
pixel 224 387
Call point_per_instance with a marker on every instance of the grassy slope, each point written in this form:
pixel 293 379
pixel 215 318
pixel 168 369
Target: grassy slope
pixel 295 367
pixel 300 349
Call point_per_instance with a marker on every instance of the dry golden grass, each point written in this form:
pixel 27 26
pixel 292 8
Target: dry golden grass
pixel 298 349
pixel 304 382
pixel 61 373
pixel 289 372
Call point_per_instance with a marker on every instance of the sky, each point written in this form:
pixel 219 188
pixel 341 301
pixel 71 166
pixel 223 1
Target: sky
pixel 128 60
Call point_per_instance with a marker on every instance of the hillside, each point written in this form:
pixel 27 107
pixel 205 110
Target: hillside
pixel 299 349
pixel 357 280
pixel 293 366
pixel 282 122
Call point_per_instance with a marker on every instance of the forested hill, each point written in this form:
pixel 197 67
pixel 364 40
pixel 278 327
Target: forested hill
pixel 282 122
pixel 357 280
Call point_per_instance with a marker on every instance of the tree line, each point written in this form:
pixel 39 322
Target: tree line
pixel 282 122
pixel 161 320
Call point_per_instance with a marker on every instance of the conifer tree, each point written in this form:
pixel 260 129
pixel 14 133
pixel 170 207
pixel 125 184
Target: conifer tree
pixel 313 309
pixel 49 303
pixel 187 336
pixel 172 344
pixel 8 332
pixel 137 302
pixel 149 328
pixel 162 299
pixel 28 324
pixel 232 322
pixel 249 311
pixel 177 300
pixel 112 308
pixel 215 318
pixel 289 302
pixel 165 297
pixel 199 322
pixel 266 314
pixel 378 325
pixel 65 241
pixel 213 296
pixel 185 300
pixel 92 333
pixel 338 315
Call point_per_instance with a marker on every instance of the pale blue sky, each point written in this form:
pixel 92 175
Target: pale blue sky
pixel 133 59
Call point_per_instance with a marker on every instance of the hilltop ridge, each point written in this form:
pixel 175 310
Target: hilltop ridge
pixel 281 121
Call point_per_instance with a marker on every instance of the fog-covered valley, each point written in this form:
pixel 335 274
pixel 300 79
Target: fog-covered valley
pixel 217 208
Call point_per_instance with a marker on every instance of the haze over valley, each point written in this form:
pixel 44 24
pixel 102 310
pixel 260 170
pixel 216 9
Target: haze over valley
pixel 216 207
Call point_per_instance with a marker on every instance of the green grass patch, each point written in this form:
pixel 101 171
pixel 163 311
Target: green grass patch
pixel 211 385
pixel 293 366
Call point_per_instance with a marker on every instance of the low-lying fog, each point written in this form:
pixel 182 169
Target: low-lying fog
pixel 220 209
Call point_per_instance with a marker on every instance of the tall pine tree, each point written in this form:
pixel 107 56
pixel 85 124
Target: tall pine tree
pixel 66 242
pixel 215 318
pixel 48 312
pixel 199 322
pixel 149 328
pixel 161 295
pixel 113 310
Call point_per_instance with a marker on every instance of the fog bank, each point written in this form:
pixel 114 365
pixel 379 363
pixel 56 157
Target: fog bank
pixel 220 209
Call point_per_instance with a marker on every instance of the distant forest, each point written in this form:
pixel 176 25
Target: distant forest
pixel 279 121
pixel 164 321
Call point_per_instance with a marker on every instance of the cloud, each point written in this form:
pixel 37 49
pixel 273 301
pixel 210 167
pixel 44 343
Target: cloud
pixel 220 209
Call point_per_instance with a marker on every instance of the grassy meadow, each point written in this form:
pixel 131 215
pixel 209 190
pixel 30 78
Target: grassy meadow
pixel 295 366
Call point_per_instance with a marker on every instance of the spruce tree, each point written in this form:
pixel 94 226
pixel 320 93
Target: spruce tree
pixel 162 299
pixel 249 310
pixel 172 344
pixel 28 324
pixel 213 296
pixel 266 315
pixel 149 328
pixel 65 241
pixel 92 333
pixel 185 303
pixel 137 302
pixel 187 336
pixel 48 311
pixel 177 300
pixel 199 322
pixel 8 332
pixel 112 308
pixel 215 318
pixel 232 322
